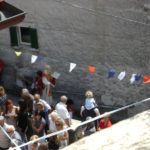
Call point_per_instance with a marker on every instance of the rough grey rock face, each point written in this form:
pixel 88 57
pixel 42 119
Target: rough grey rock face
pixel 130 134
pixel 87 32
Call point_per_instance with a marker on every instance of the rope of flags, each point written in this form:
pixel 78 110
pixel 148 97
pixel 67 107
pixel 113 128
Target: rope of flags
pixel 92 69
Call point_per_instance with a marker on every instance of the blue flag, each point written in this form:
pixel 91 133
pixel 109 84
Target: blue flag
pixel 111 73
pixel 138 77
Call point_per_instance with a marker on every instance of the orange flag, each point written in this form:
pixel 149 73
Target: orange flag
pixel 146 79
pixel 91 69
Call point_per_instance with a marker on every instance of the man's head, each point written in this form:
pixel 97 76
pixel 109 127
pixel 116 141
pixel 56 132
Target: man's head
pixel 10 130
pixel 25 93
pixel 36 97
pixel 63 99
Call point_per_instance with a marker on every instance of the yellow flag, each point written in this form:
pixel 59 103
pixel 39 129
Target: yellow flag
pixel 18 53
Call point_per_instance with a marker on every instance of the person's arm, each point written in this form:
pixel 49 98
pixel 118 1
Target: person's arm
pixel 46 105
pixel 82 109
pixel 32 124
pixel 42 125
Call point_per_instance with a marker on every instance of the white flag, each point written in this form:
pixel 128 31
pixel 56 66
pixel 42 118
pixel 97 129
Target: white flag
pixel 56 75
pixel 33 58
pixel 121 75
pixel 18 53
pixel 72 66
pixel 132 79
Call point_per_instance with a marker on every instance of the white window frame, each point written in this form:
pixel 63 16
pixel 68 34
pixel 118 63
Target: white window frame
pixel 19 36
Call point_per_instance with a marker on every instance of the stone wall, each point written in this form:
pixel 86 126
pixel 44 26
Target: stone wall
pixel 97 32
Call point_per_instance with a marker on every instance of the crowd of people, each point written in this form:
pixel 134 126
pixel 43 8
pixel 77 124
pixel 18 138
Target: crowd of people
pixel 33 116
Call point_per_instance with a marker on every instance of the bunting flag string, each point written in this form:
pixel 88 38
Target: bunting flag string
pixel 92 69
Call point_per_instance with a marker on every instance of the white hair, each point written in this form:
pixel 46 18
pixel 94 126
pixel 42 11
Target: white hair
pixel 63 98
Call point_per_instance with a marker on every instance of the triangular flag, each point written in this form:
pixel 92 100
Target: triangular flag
pixel 18 53
pixel 132 79
pixel 72 66
pixel 146 79
pixel 92 69
pixel 111 73
pixel 56 75
pixel 33 58
pixel 138 77
pixel 121 75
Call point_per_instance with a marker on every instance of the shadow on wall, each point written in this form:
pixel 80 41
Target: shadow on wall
pixel 9 78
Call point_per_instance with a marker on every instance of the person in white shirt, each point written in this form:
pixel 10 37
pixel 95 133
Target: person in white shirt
pixel 61 109
pixel 90 107
pixel 4 140
pixel 52 118
pixel 15 136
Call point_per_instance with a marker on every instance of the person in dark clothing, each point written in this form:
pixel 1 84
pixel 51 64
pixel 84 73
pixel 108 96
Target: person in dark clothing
pixel 28 99
pixel 22 120
pixel 37 85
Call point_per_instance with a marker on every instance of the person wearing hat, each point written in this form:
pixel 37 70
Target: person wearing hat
pixel 4 140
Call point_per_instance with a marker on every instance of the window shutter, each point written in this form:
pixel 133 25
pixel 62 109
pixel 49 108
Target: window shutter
pixel 34 38
pixel 13 36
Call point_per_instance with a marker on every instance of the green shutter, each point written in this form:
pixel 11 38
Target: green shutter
pixel 13 36
pixel 34 38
